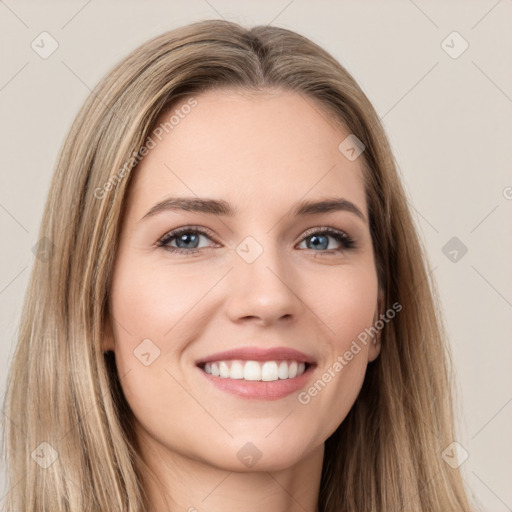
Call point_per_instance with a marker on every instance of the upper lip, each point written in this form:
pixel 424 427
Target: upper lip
pixel 259 354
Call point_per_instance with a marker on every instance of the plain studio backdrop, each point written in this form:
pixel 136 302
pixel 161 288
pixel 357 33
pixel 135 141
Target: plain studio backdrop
pixel 440 77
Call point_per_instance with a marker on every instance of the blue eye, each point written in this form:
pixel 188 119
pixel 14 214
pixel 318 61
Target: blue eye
pixel 187 240
pixel 319 240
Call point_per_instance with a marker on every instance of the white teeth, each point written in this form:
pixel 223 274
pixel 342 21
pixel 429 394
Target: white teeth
pixel 224 369
pixel 237 370
pixel 267 371
pixel 252 371
pixel 292 370
pixel 282 373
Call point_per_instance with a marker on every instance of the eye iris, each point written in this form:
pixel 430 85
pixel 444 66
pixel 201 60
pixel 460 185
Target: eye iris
pixel 318 241
pixel 187 238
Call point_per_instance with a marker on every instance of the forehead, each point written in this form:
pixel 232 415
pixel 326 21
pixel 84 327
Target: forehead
pixel 270 147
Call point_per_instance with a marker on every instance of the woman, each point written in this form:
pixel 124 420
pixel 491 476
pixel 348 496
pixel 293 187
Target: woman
pixel 236 312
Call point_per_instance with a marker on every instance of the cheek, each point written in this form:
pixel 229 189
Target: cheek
pixel 349 305
pixel 152 303
pixel 156 311
pixel 143 316
pixel 348 309
pixel 147 331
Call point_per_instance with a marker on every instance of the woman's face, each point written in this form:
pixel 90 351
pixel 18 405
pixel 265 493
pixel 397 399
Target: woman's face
pixel 257 268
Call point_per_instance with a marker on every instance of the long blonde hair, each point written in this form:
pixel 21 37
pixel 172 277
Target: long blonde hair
pixel 65 392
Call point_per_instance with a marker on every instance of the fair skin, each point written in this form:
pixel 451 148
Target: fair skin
pixel 261 153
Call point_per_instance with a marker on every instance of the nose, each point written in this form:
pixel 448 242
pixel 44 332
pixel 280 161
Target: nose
pixel 262 291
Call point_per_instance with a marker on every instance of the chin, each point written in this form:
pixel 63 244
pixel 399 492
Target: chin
pixel 253 454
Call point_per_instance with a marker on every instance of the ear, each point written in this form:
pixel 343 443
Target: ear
pixel 107 342
pixel 375 346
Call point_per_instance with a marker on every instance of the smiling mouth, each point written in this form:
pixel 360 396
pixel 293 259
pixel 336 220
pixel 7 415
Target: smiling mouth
pixel 266 371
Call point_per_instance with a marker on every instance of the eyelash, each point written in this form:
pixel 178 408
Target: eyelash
pixel 346 242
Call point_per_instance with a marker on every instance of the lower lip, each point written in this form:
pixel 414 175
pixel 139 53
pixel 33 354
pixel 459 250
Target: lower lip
pixel 260 390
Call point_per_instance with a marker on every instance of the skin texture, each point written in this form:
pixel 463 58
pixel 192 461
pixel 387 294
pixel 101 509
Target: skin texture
pixel 261 152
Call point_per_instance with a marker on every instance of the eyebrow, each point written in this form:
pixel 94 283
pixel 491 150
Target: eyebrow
pixel 221 207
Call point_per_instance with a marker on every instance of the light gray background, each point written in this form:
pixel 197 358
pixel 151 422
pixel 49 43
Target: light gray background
pixel 448 119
